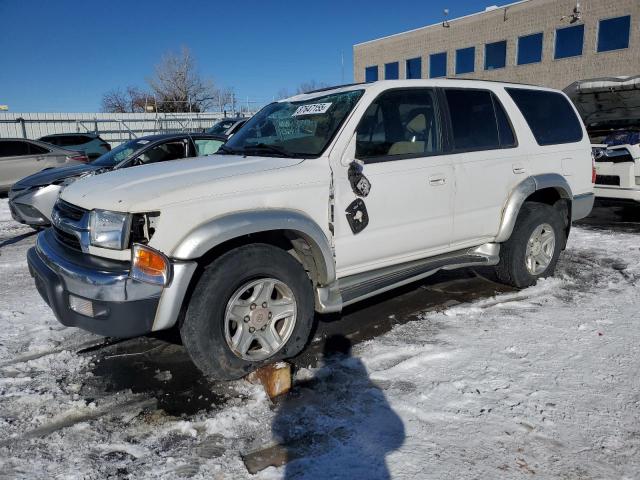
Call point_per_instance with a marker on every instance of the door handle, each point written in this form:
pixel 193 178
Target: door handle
pixel 437 180
pixel 518 170
pixel 39 159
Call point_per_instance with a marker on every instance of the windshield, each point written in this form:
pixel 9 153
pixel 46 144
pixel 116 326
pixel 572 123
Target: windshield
pixel 293 129
pixel 120 153
pixel 221 127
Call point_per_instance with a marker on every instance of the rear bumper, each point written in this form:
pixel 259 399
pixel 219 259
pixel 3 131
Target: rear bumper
pixel 581 206
pixel 617 193
pixel 122 307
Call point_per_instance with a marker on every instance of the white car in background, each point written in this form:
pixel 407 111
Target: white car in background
pixel 617 173
pixel 610 109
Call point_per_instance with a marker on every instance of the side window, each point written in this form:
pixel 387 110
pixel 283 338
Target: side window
pixel 549 115
pixel 473 121
pixel 13 149
pixel 505 130
pixel 399 123
pixel 37 149
pixel 163 153
pixel 206 146
pixel 52 140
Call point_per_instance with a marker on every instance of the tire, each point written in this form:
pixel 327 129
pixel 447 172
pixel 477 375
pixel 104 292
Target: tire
pixel 212 322
pixel 512 268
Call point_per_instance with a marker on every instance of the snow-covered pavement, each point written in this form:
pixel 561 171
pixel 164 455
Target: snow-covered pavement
pixel 542 383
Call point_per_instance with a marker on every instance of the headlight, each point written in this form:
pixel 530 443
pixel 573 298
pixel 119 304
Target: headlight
pixel 149 265
pixel 109 229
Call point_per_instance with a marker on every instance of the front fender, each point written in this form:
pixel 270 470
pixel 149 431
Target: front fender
pixel 203 238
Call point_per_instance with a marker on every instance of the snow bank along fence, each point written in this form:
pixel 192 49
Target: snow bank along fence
pixel 115 128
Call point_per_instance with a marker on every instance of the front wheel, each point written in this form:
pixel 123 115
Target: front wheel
pixel 534 247
pixel 251 306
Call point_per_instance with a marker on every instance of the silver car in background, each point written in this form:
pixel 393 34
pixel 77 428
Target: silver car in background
pixel 20 157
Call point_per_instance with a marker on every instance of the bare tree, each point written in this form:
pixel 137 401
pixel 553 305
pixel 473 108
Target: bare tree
pixel 225 99
pixel 178 86
pixel 282 93
pixel 129 100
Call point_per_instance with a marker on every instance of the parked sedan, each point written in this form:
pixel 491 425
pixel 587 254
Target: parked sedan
pixel 88 143
pixel 31 199
pixel 20 157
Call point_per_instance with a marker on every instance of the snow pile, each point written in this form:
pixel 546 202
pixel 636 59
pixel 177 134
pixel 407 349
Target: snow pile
pixel 544 381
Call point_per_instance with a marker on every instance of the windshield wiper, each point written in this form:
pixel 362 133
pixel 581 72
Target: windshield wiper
pixel 228 150
pixel 266 148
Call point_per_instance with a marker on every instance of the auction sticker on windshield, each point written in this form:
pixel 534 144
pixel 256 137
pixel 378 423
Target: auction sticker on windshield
pixel 311 109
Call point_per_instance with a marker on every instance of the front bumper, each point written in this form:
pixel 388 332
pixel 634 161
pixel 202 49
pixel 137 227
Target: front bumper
pixel 122 307
pixel 33 206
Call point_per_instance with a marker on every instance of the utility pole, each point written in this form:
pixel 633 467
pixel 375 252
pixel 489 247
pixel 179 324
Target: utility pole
pixel 342 62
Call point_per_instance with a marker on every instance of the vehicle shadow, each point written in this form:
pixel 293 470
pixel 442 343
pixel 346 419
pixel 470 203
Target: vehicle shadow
pixel 338 424
pixel 617 218
pixel 17 238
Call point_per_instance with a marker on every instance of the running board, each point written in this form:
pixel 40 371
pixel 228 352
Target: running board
pixel 354 288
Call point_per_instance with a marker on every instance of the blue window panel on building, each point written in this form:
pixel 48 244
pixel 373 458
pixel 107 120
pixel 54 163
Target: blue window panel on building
pixel 465 60
pixel 391 71
pixel 371 74
pixel 495 55
pixel 438 65
pixel 569 41
pixel 414 68
pixel 530 49
pixel 613 34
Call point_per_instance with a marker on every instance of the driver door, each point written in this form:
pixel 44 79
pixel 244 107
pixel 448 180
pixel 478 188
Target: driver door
pixel 410 203
pixel 172 150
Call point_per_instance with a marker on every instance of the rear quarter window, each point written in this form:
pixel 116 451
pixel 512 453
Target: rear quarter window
pixel 550 116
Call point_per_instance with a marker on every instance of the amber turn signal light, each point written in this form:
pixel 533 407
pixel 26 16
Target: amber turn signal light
pixel 149 265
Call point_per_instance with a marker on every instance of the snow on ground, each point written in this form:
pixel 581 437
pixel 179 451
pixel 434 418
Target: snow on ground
pixel 543 382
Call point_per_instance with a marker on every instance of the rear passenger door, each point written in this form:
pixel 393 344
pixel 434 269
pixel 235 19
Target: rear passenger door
pixel 17 161
pixel 487 162
pixel 399 140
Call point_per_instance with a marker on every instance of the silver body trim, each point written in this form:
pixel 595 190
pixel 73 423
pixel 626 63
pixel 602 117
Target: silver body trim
pixel 205 237
pixel 581 206
pixel 356 288
pixel 173 296
pixel 520 193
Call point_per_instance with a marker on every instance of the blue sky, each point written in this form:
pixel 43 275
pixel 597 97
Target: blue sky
pixel 63 55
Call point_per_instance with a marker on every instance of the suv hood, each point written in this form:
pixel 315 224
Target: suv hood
pixel 50 175
pixel 149 187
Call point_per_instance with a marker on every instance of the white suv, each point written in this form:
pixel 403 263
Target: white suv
pixel 319 201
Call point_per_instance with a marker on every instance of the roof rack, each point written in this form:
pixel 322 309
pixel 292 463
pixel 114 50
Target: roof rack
pixel 324 89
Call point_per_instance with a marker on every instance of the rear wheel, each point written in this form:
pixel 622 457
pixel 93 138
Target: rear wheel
pixel 252 306
pixel 534 247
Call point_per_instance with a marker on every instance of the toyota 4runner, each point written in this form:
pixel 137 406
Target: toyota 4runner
pixel 319 201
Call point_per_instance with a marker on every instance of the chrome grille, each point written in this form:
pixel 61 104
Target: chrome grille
pixel 67 239
pixel 69 224
pixel 66 210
